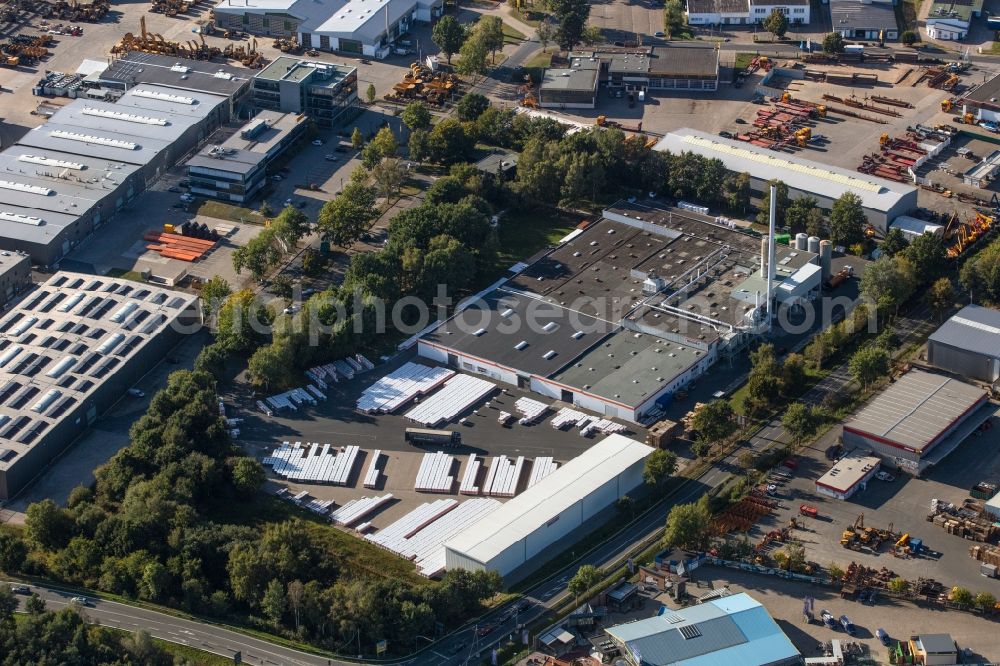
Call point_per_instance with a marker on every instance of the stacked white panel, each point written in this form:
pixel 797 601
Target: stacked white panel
pixel 344 369
pixel 458 394
pixel 321 507
pixel 540 469
pixel 434 475
pixel 316 393
pixel 505 418
pixel 357 509
pixel 504 477
pixel 401 386
pixel 567 416
pixel 472 467
pixel 603 426
pixel 313 463
pixel 371 476
pixel 421 534
pixel 530 410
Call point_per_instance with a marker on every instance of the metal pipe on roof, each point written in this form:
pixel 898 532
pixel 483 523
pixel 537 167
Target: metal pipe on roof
pixel 770 254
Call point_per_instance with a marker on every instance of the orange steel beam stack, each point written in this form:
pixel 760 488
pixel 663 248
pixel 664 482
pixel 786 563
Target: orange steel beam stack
pixel 175 246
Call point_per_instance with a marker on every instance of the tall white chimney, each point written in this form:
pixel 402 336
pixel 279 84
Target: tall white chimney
pixel 770 255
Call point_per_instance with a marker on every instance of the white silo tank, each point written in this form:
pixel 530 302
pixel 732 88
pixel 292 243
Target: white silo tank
pixel 825 258
pixel 801 241
pixel 763 252
pixel 813 244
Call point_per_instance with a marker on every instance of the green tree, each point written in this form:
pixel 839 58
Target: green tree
pixel 344 219
pixel 909 37
pixel 833 43
pixel 714 422
pixel 781 203
pixel 962 597
pixel 659 466
pixel 793 375
pixel 928 255
pixel 248 476
pixel 764 380
pixel 673 17
pixel 418 147
pixel 798 211
pixel 46 525
pixel 449 35
pixel 212 359
pixel 835 572
pixel 270 365
pixel 490 29
pixel 258 256
pixel 815 223
pixel 591 36
pixel 13 552
pixel 290 226
pixel 449 142
pixel 887 283
pixel 389 175
pixel 688 524
pixel 214 293
pixel 546 34
pixel 586 577
pixel 274 602
pixel 795 556
pixel 800 422
pixel 472 55
pixel 738 192
pixel 370 93
pixel 941 296
pixel 471 106
pixel 894 242
pixel 847 220
pixel 416 116
pixel 626 505
pixel 357 140
pixel 776 23
pixel 242 321
pixel 868 364
pixel 986 602
pixel 571 18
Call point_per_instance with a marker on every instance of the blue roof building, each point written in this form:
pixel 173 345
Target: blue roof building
pixel 735 629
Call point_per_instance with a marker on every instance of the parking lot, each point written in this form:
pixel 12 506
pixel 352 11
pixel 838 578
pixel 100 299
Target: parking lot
pixel 904 504
pixel 625 20
pixel 335 421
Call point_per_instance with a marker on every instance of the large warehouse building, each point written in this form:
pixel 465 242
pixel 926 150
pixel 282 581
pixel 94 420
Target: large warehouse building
pixel 612 319
pixel 883 200
pixel 968 344
pixel 917 421
pixel 64 179
pixel 359 27
pixel 735 629
pixel 527 531
pixel 68 352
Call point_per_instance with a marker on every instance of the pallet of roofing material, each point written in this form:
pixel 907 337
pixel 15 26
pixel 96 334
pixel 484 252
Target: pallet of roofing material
pixel 505 418
pixel 322 507
pixel 365 363
pixel 434 475
pixel 316 393
pixel 317 379
pixel 399 387
pixel 530 410
pixel 541 468
pixel 603 426
pixel 426 547
pixel 457 396
pixel 357 509
pixel 357 367
pixel 344 368
pixel 470 476
pixel 567 417
pixel 404 528
pixel 504 477
pixel 371 476
pixel 264 408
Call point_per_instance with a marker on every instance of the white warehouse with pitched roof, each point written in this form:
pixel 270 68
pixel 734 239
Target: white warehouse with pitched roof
pixel 525 528
pixel 883 200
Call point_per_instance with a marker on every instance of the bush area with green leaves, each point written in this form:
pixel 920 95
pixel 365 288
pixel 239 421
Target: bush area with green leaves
pixel 156 527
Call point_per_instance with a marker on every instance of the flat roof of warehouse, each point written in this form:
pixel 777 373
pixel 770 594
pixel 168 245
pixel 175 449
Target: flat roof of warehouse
pixel 579 79
pixel 987 93
pixel 848 471
pixel 629 367
pixel 974 328
pixel 916 409
pixel 215 78
pixel 64 339
pixel 858 15
pixel 536 506
pixel 520 331
pixel 684 60
pixel 800 174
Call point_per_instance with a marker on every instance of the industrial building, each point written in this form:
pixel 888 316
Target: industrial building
pixel 934 649
pixel 968 344
pixel 134 68
pixel 864 19
pixel 572 88
pixel 236 169
pixel 654 68
pixel 529 529
pixel 328 93
pixel 883 200
pixel 950 19
pixel 68 352
pixel 64 179
pixel 984 101
pixel 734 629
pixel 15 275
pixel 737 12
pixel 848 475
pixel 917 420
pixel 359 27
pixel 613 319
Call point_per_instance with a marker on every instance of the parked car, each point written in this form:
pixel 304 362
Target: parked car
pixel 83 601
pixel 808 510
pixel 289 202
pixel 989 126
pixel 331 157
pixel 136 393
pixel 187 198
pixel 883 636
pixel 726 135
pixel 848 626
pixel 828 620
pixel 317 142
pixel 885 476
pixel 485 629
pixel 173 188
pixel 20 589
pixel 276 177
pixel 659 33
